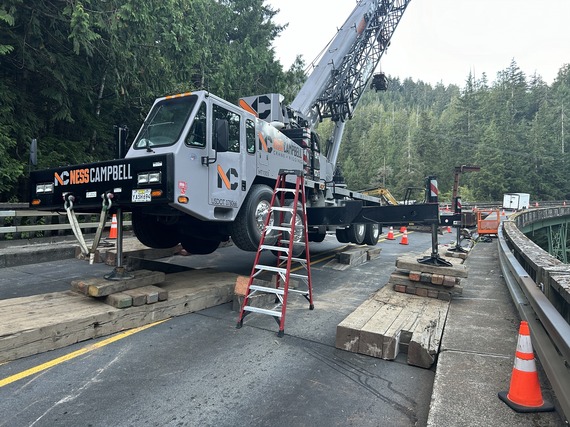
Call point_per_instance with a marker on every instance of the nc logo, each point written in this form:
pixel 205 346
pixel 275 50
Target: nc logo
pixel 225 178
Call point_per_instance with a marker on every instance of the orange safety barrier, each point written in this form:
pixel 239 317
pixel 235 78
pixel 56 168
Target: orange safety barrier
pixel 488 221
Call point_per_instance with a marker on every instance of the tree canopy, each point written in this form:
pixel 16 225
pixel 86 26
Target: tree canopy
pixel 72 69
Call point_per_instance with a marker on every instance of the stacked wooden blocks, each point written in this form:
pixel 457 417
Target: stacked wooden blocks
pixel 428 280
pixel 137 291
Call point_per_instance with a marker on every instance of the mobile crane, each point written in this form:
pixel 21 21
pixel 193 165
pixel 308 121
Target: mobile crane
pixel 202 169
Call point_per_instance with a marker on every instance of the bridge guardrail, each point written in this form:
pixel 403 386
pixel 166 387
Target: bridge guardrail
pixel 24 224
pixel 543 305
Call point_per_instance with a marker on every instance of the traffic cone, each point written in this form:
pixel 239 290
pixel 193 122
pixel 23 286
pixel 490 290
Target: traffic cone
pixel 449 228
pixel 113 232
pixel 390 235
pixel 404 240
pixel 402 228
pixel 524 393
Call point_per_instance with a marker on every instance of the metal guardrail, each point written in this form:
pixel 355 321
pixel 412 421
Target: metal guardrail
pixel 550 330
pixel 45 219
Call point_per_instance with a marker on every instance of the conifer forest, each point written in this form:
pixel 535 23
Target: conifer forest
pixel 71 71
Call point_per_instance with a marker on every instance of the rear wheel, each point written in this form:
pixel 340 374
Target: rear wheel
pixel 247 227
pixel 299 234
pixel 372 234
pixel 153 233
pixel 356 233
pixel 342 235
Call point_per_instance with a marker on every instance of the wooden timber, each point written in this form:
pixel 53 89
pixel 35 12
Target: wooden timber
pixel 388 322
pixel 45 322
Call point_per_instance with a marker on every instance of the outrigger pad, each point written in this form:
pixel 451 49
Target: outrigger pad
pixel 435 259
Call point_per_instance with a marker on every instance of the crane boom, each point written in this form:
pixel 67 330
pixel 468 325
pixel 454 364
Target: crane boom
pixel 337 82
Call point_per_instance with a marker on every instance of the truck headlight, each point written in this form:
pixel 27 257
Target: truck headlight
pixel 44 188
pixel 149 178
pixel 154 178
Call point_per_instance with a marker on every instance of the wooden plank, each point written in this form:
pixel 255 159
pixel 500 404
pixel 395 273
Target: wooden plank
pixel 46 322
pixel 411 264
pixel 100 287
pixel 372 332
pixel 373 253
pixel 119 300
pixel 348 331
pixel 426 337
pixel 354 256
pixel 139 298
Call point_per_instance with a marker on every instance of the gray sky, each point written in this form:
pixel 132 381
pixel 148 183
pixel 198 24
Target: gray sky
pixel 443 40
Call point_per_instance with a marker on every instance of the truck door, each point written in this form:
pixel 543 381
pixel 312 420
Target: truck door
pixel 225 175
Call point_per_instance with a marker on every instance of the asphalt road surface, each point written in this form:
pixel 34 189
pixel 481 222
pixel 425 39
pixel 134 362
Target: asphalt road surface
pixel 199 370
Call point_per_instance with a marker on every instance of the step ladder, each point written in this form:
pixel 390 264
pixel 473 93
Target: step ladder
pixel 284 248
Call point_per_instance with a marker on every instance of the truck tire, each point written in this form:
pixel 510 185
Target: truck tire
pixel 198 246
pixel 247 227
pixel 317 237
pixel 153 233
pixel 372 234
pixel 342 235
pixel 299 248
pixel 356 233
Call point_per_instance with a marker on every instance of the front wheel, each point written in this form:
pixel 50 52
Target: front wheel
pixel 153 233
pixel 197 246
pixel 248 226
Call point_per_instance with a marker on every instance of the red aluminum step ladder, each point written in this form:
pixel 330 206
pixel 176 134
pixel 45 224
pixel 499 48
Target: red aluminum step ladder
pixel 284 248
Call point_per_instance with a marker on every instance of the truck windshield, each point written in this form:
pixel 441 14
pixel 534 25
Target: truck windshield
pixel 166 122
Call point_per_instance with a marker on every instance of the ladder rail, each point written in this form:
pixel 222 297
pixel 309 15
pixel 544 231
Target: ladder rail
pixel 284 248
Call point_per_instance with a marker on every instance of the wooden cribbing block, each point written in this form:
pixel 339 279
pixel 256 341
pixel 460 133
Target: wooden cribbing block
pixel 437 279
pixel 348 331
pixel 400 280
pixel 100 287
pixel 411 264
pixel 426 336
pixel 139 298
pixel 119 300
pixel 353 256
pixel 390 322
pixel 373 253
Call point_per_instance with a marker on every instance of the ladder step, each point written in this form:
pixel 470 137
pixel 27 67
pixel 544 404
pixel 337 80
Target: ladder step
pixel 286 190
pixel 299 260
pixel 282 209
pixel 276 291
pixel 279 228
pixel 295 243
pixel 274 248
pixel 262 311
pixel 279 270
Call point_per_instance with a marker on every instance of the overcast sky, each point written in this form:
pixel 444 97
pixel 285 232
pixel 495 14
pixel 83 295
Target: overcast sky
pixel 442 40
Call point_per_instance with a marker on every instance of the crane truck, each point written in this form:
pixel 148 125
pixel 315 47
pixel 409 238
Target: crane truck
pixel 201 169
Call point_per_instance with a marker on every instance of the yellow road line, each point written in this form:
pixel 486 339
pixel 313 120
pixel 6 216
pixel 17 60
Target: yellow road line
pixel 75 354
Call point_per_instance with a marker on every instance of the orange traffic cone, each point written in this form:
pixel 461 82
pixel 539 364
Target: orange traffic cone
pixel 404 240
pixel 113 232
pixel 449 228
pixel 390 235
pixel 524 392
pixel 402 228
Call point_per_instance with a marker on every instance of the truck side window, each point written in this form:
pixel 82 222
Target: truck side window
pixel 250 136
pixel 234 125
pixel 197 135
